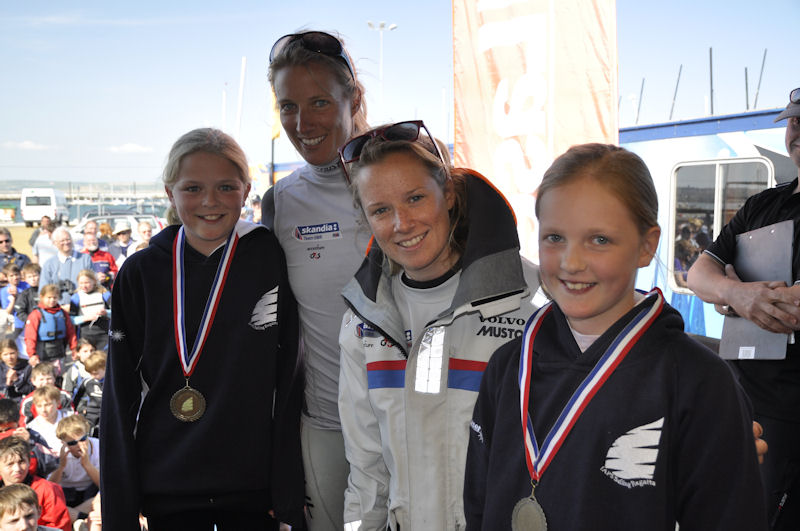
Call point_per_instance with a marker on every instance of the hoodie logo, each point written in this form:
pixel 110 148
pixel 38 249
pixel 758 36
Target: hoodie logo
pixel 265 313
pixel 631 460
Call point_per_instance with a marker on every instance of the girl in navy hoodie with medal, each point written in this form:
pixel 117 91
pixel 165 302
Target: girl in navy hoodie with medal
pixel 604 414
pixel 203 321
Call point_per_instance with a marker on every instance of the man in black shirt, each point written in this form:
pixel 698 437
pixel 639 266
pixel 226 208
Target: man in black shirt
pixel 773 386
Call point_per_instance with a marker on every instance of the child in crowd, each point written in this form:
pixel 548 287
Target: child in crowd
pixel 75 375
pixel 41 375
pixel 8 295
pixel 20 509
pixel 49 330
pixel 615 417
pixel 15 373
pixel 43 458
pixel 26 301
pixel 47 400
pixel 15 469
pixel 90 396
pixel 90 308
pixel 78 470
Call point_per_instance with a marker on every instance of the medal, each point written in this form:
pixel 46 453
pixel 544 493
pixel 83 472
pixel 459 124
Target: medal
pixel 188 404
pixel 528 514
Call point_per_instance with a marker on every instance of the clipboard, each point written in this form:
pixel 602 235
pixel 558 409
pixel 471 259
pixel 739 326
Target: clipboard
pixel 761 254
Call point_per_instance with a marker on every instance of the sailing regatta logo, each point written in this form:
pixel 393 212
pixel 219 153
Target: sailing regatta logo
pixel 322 231
pixel 265 313
pixel 631 460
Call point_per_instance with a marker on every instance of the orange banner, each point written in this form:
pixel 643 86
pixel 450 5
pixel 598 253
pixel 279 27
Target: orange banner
pixel 532 77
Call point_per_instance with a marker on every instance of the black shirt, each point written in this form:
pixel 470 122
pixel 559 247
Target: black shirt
pixel 773 386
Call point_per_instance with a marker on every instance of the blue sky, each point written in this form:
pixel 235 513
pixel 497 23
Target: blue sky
pixel 98 91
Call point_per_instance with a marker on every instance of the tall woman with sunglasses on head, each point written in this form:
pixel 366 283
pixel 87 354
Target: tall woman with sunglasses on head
pixel 442 289
pixel 312 214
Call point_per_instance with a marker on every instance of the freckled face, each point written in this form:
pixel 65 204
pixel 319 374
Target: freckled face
pixel 408 214
pixel 316 112
pixel 208 196
pixel 590 250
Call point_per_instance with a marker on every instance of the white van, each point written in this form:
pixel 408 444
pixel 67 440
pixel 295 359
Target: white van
pixel 37 202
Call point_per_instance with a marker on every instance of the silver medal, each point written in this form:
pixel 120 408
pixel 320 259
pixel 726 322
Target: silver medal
pixel 528 516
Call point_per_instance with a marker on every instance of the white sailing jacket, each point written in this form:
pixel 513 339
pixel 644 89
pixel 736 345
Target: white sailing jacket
pixel 405 410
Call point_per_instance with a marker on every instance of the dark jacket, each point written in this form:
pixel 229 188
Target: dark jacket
pixel 249 357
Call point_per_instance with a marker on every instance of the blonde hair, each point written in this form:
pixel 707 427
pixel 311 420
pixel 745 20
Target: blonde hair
pixel 49 392
pixel 90 274
pixel 72 425
pixel 95 361
pixel 294 54
pixel 207 140
pixel 13 497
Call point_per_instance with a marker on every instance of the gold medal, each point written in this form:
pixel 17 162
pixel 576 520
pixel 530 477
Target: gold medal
pixel 187 404
pixel 528 516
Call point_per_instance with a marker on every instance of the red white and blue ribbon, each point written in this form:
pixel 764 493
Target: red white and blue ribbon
pixel 189 358
pixel 538 459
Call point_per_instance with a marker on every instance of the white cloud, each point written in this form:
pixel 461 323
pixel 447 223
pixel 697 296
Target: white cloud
pixel 130 148
pixel 25 145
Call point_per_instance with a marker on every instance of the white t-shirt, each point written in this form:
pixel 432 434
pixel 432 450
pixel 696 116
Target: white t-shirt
pixel 48 430
pixel 75 475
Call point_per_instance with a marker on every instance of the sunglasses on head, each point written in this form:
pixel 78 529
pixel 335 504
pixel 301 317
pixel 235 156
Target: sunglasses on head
pixel 407 131
pixel 73 443
pixel 314 41
pixel 794 96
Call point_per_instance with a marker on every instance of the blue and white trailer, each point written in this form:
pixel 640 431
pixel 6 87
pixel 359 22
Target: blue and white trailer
pixel 704 169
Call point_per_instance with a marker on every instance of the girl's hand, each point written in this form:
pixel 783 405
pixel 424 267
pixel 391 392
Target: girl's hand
pixel 11 377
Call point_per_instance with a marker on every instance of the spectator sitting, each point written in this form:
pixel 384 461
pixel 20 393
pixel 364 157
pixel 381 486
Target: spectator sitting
pixel 8 295
pixel 74 377
pixel 63 268
pixel 89 398
pixel 49 330
pixel 102 262
pixel 14 469
pixel 47 400
pixel 9 255
pixel 20 509
pixel 41 375
pixel 43 458
pixel 90 307
pixel 15 373
pixel 26 301
pixel 78 470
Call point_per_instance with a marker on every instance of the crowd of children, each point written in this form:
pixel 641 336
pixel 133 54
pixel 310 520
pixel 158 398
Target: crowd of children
pixel 52 367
